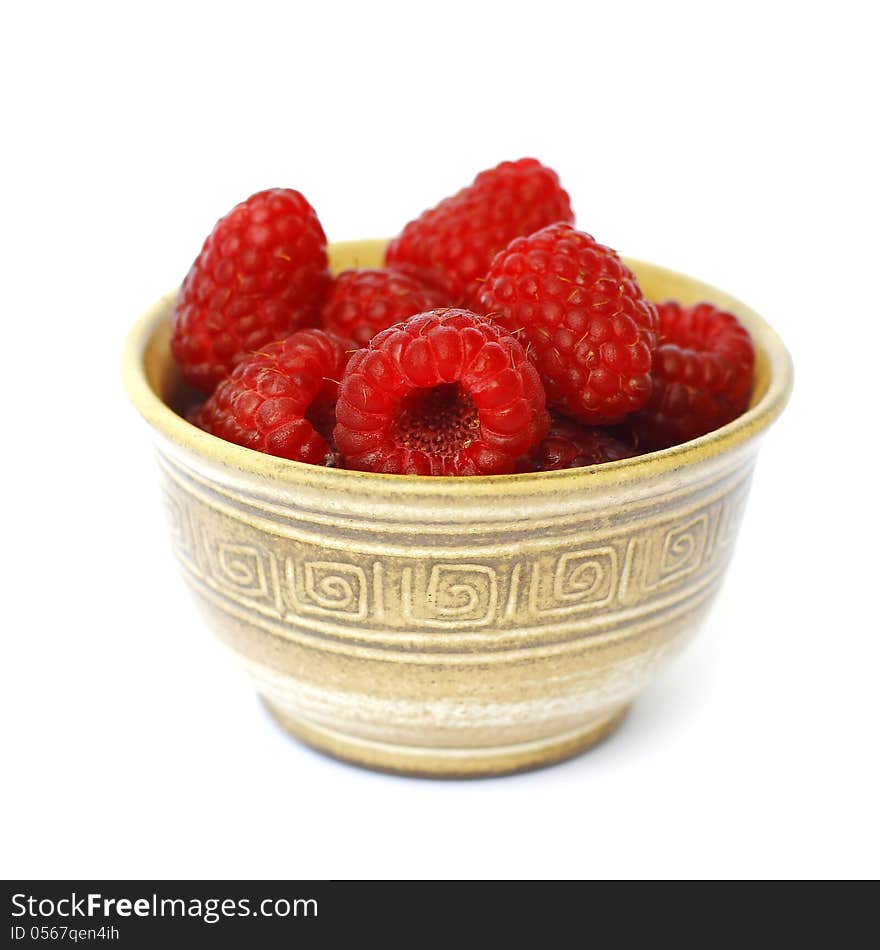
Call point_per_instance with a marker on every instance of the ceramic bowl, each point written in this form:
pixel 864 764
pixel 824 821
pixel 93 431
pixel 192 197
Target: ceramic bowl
pixel 444 626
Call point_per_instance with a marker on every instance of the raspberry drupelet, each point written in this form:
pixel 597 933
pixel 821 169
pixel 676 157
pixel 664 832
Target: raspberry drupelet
pixel 452 245
pixel 363 302
pixel 261 274
pixel 280 399
pixel 583 317
pixel 445 393
pixel 702 377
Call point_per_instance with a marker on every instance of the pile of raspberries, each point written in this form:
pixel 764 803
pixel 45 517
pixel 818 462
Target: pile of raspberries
pixel 496 339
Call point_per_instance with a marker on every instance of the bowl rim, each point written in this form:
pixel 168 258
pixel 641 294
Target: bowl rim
pixel 183 434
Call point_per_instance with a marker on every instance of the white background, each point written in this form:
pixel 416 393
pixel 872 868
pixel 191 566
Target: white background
pixel 735 143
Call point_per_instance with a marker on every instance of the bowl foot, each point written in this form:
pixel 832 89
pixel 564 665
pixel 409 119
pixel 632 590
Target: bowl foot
pixel 449 762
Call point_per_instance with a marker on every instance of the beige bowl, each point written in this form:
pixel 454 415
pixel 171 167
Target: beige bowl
pixel 446 626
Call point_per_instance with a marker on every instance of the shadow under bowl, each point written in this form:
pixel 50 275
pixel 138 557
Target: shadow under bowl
pixel 453 626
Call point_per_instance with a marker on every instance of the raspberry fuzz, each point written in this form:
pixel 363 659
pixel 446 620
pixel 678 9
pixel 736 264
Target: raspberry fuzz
pixel 446 393
pixel 703 369
pixel 588 327
pixel 280 399
pixel 260 275
pixel 569 445
pixel 452 245
pixel 363 302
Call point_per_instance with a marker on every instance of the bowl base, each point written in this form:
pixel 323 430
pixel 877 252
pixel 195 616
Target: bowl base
pixel 449 762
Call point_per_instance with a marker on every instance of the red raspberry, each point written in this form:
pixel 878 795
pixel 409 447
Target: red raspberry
pixel 452 245
pixel 446 393
pixel 569 445
pixel 588 327
pixel 280 399
pixel 703 370
pixel 363 302
pixel 194 414
pixel 260 276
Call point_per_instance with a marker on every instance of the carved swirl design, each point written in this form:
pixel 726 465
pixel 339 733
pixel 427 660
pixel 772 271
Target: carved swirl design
pixel 582 576
pixel 682 546
pixel 242 566
pixel 291 579
pixel 180 528
pixel 458 593
pixel 327 588
pixel 335 586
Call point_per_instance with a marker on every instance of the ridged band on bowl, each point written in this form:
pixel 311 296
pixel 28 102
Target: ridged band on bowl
pixel 454 626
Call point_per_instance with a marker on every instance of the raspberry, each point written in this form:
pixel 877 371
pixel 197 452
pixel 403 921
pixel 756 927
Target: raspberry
pixel 446 393
pixel 363 302
pixel 452 245
pixel 703 368
pixel 588 327
pixel 280 399
pixel 260 276
pixel 569 445
pixel 194 414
